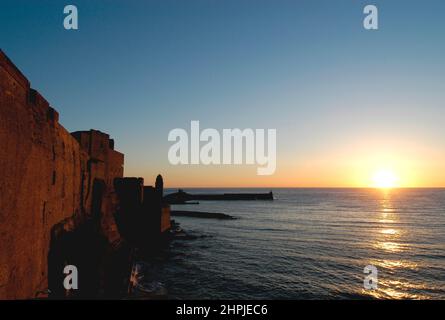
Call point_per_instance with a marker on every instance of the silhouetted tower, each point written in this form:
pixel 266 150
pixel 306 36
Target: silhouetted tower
pixel 159 186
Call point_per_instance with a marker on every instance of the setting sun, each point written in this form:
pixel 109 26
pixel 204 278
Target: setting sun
pixel 384 179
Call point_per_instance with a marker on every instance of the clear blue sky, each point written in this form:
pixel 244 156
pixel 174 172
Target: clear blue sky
pixel 137 69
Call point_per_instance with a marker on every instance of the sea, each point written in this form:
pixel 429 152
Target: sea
pixel 309 244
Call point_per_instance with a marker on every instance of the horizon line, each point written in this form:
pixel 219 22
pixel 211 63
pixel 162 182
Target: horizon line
pixel 301 187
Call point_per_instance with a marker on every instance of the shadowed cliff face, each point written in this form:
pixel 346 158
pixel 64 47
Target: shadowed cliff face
pixel 142 216
pixel 50 180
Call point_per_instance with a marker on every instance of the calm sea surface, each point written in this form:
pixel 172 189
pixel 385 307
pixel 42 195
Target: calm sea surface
pixel 311 244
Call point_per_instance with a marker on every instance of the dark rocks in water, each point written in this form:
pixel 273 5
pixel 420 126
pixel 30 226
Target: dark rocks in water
pixel 204 215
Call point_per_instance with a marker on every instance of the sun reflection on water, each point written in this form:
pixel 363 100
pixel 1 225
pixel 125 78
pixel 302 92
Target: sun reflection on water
pixel 389 231
pixel 395 264
pixel 390 246
pixel 389 241
pixel 388 215
pixel 395 289
pixel 386 221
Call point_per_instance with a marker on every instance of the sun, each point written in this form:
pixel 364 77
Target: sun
pixel 384 179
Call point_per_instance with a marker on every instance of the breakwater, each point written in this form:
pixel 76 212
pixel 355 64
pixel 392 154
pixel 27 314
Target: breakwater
pixel 182 197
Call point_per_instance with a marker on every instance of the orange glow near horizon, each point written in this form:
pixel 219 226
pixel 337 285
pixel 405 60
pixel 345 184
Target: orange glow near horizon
pixel 353 164
pixel 313 175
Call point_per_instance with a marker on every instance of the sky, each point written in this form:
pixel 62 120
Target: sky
pixel 346 102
